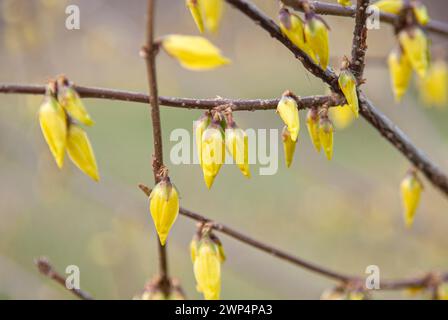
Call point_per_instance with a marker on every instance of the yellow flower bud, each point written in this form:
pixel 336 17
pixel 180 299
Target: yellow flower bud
pixel 289 146
pixel 326 136
pixel 207 270
pixel 195 10
pixel 53 123
pixel 238 146
pixel 433 86
pixel 347 83
pixel 199 127
pixel 292 27
pixel 420 12
pixel 341 116
pixel 288 110
pixel 389 6
pixel 312 123
pixel 213 152
pixel 411 189
pixel 400 73
pixel 80 151
pixel 316 36
pixel 164 207
pixel 415 45
pixel 345 3
pixel 194 53
pixel 71 102
pixel 212 11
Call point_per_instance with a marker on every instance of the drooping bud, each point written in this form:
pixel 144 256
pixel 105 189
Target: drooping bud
pixel 326 135
pixel 347 83
pixel 415 45
pixel 237 145
pixel 164 207
pixel 199 127
pixel 341 116
pixel 390 6
pixel 195 53
pixel 212 11
pixel 72 103
pixel 420 12
pixel 288 110
pixel 81 152
pixel 345 3
pixel 213 151
pixel 312 123
pixel 53 123
pixel 207 265
pixel 411 189
pixel 316 36
pixel 400 71
pixel 433 86
pixel 195 10
pixel 292 27
pixel 289 146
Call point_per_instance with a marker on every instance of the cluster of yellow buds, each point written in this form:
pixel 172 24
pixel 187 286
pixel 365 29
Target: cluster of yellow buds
pixel 192 52
pixel 311 37
pixel 347 84
pixel 411 189
pixel 206 12
pixel 207 255
pixel 59 115
pixel 215 132
pixel 164 205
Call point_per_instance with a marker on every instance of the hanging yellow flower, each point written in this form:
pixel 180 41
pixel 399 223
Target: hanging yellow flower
pixel 212 11
pixel 390 6
pixel 213 152
pixel 411 189
pixel 326 136
pixel 164 207
pixel 347 83
pixel 341 116
pixel 289 146
pixel 80 151
pixel 288 110
pixel 400 73
pixel 53 123
pixel 194 53
pixel 415 45
pixel 312 123
pixel 237 145
pixel 195 10
pixel 199 127
pixel 433 86
pixel 420 12
pixel 316 36
pixel 72 103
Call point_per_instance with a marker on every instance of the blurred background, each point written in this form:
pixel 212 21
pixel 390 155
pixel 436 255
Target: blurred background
pixel 344 214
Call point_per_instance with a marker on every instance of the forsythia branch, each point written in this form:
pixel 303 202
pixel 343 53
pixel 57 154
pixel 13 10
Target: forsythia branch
pixel 359 46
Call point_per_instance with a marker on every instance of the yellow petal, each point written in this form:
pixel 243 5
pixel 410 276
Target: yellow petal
pixel 200 126
pixel 389 6
pixel 53 123
pixel 207 271
pixel 341 116
pixel 316 35
pixel 195 53
pixel 238 146
pixel 212 10
pixel 411 189
pixel 194 249
pixel 312 123
pixel 345 3
pixel 433 86
pixel 347 83
pixel 72 103
pixel 195 10
pixel 289 146
pixel 80 151
pixel 288 110
pixel 213 152
pixel 400 73
pixel 421 13
pixel 164 208
pixel 415 45
pixel 326 136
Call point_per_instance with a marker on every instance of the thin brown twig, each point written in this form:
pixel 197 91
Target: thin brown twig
pixel 324 8
pixel 359 44
pixel 375 117
pixel 387 284
pixel 45 268
pixel 150 52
